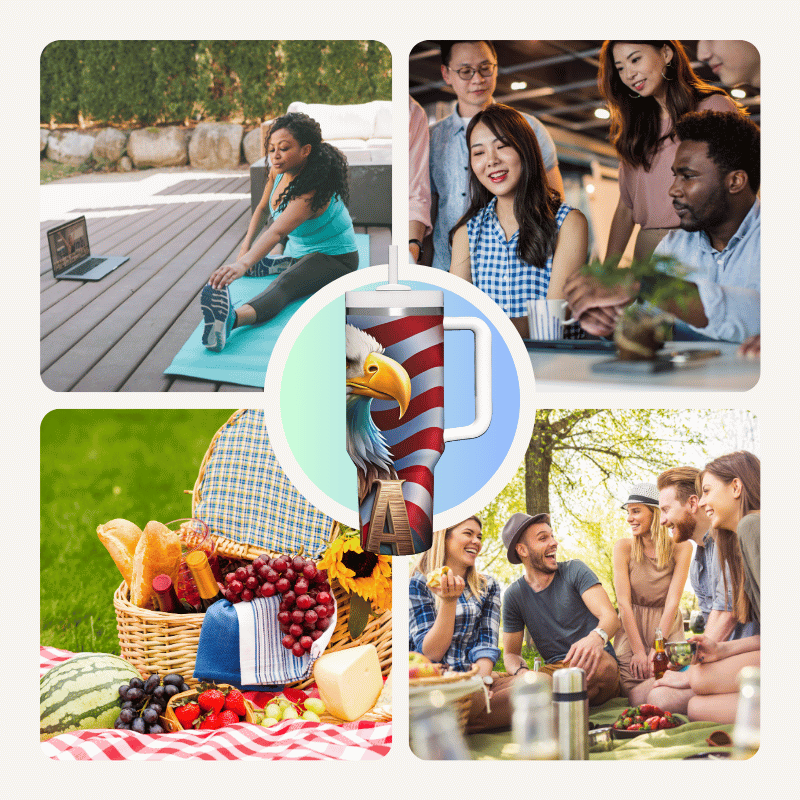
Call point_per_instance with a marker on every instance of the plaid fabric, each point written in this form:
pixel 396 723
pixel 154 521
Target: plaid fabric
pixel 291 740
pixel 246 497
pixel 498 270
pixel 477 626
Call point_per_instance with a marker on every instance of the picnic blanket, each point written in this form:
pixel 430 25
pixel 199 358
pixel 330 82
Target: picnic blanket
pixel 291 740
pixel 674 743
pixel 246 355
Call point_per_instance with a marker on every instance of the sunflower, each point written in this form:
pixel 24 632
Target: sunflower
pixel 368 575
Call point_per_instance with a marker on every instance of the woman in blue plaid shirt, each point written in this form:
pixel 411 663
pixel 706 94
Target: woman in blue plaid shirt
pixel 455 618
pixel 517 241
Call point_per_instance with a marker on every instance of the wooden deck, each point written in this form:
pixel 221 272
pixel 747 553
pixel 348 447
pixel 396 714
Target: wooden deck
pixel 121 333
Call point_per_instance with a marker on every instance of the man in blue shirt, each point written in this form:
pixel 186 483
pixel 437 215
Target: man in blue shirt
pixel 470 69
pixel 681 513
pixel 717 174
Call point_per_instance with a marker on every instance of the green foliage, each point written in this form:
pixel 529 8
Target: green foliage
pixel 143 82
pixel 97 466
pixel 528 654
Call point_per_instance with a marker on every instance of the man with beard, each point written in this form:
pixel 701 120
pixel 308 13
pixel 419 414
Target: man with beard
pixel 562 604
pixel 681 513
pixel 718 245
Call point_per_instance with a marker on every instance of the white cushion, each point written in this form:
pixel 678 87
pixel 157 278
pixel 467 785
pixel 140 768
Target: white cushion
pixel 359 121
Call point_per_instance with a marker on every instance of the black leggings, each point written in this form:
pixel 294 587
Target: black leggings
pixel 306 276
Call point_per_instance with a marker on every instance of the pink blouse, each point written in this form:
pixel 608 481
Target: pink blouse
pixel 646 193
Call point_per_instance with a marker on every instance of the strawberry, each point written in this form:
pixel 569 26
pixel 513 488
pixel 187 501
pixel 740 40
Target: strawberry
pixel 228 717
pixel 211 700
pixel 187 714
pixel 234 701
pixel 211 720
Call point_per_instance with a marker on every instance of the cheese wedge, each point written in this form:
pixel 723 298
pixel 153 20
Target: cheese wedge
pixel 349 681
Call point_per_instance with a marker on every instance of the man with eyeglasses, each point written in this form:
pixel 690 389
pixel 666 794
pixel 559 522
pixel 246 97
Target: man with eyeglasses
pixel 470 68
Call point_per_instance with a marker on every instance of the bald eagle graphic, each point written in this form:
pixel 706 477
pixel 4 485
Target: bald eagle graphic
pixel 371 374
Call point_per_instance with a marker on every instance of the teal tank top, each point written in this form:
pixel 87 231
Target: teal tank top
pixel 331 232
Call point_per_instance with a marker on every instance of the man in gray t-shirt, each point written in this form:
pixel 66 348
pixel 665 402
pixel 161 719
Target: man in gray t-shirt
pixel 565 609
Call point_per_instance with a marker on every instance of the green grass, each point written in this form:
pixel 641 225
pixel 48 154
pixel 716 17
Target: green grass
pixel 52 171
pixel 98 465
pixel 528 654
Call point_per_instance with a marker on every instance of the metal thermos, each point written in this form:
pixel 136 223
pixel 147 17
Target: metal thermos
pixel 571 706
pixel 435 735
pixel 532 720
pixel 747 729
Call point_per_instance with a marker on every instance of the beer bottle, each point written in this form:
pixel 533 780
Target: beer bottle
pixel 660 659
pixel 204 579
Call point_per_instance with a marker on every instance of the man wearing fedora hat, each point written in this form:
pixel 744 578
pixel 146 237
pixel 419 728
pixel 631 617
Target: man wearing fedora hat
pixel 564 607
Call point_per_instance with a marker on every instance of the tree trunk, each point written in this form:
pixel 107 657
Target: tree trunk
pixel 538 460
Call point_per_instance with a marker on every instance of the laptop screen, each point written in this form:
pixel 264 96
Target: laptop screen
pixel 69 243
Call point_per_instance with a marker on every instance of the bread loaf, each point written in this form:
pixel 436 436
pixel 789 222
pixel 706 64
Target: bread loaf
pixel 120 538
pixel 157 552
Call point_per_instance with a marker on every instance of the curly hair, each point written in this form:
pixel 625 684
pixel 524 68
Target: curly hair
pixel 535 202
pixel 734 141
pixel 325 171
pixel 636 122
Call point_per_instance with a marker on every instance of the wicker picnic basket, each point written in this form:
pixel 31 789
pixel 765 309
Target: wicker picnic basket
pixel 460 706
pixel 229 495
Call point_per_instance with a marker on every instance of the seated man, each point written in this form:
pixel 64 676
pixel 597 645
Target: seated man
pixel 562 604
pixel 717 175
pixel 681 513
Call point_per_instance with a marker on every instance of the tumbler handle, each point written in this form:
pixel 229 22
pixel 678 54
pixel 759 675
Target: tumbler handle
pixel 483 377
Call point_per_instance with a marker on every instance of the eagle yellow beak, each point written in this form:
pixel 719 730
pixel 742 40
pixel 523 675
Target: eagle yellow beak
pixel 384 379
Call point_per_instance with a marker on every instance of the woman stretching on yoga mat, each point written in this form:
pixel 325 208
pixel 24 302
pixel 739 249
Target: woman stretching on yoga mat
pixel 307 196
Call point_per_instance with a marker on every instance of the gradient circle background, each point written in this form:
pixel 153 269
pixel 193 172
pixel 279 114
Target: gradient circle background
pixel 312 408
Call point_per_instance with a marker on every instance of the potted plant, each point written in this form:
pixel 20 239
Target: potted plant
pixel 643 328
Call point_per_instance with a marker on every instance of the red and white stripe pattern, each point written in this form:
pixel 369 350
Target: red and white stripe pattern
pixel 291 740
pixel 417 440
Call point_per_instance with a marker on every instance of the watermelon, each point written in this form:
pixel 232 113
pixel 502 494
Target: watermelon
pixel 82 693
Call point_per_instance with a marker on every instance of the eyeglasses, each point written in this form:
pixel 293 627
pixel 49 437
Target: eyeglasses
pixel 466 73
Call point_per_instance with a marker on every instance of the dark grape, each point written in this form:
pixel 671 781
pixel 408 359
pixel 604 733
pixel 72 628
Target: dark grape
pixel 123 691
pixel 135 693
pixel 150 715
pixel 127 715
pixel 173 679
pixel 184 687
pixel 121 726
pixel 127 704
pixel 151 683
pixel 138 725
pixel 159 692
pixel 170 690
pixel 156 728
pixel 136 683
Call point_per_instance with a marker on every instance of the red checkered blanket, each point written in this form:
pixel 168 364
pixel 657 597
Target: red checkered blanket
pixel 291 740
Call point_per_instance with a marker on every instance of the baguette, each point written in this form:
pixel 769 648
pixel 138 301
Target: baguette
pixel 120 538
pixel 157 552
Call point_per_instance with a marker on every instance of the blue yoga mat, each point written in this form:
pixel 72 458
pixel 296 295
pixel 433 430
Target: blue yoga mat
pixel 246 355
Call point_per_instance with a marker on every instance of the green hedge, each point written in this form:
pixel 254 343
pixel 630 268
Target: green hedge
pixel 146 82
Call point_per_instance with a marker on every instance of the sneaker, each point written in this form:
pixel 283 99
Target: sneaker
pixel 269 266
pixel 218 315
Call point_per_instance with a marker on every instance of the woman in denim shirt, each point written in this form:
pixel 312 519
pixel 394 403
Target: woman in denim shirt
pixel 455 618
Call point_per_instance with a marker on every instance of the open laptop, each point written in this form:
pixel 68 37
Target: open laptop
pixel 70 255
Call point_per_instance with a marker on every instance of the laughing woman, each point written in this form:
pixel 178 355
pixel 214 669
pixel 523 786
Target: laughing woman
pixel 650 572
pixel 307 196
pixel 517 241
pixel 730 493
pixel 648 86
pixel 455 618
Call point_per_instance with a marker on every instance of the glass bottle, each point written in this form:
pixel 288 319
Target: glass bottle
pixel 532 722
pixel 167 598
pixel 660 659
pixel 207 587
pixel 747 729
pixel 435 734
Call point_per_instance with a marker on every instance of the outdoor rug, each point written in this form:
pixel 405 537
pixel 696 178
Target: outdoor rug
pixel 674 743
pixel 246 355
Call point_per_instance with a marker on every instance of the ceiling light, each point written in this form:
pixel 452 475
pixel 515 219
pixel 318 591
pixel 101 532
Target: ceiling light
pixel 602 113
pixel 740 93
pixel 518 85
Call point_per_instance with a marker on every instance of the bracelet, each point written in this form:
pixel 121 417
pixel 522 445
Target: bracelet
pixel 417 242
pixel 523 666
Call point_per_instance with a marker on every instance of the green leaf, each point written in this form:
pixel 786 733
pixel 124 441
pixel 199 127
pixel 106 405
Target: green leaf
pixel 359 615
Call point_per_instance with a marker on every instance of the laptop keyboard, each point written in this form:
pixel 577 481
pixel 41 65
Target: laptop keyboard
pixel 86 266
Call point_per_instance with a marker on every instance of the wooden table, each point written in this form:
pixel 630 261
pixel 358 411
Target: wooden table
pixel 570 371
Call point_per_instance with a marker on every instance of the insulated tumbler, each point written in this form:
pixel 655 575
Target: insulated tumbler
pixel 395 409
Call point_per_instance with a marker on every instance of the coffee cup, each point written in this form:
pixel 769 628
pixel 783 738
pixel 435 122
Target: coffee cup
pixel 548 318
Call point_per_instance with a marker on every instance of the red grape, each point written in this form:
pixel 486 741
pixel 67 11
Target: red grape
pixel 271 575
pixel 279 565
pixel 250 570
pixel 316 633
pixel 296 630
pixel 241 574
pixel 306 642
pixel 288 641
pixel 323 598
pixel 322 611
pixel 289 597
pixel 230 577
pixel 298 616
pixel 311 617
pixel 304 602
pixel 247 595
pixel 284 606
pixel 268 589
pixel 309 572
pixel 301 586
pixel 322 624
pixel 282 585
pixel 263 572
pixel 236 586
pixel 290 575
pixel 298 650
pixel 260 561
pixel 298 562
pixel 252 583
pixel 284 628
pixel 283 617
pixel 321 576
